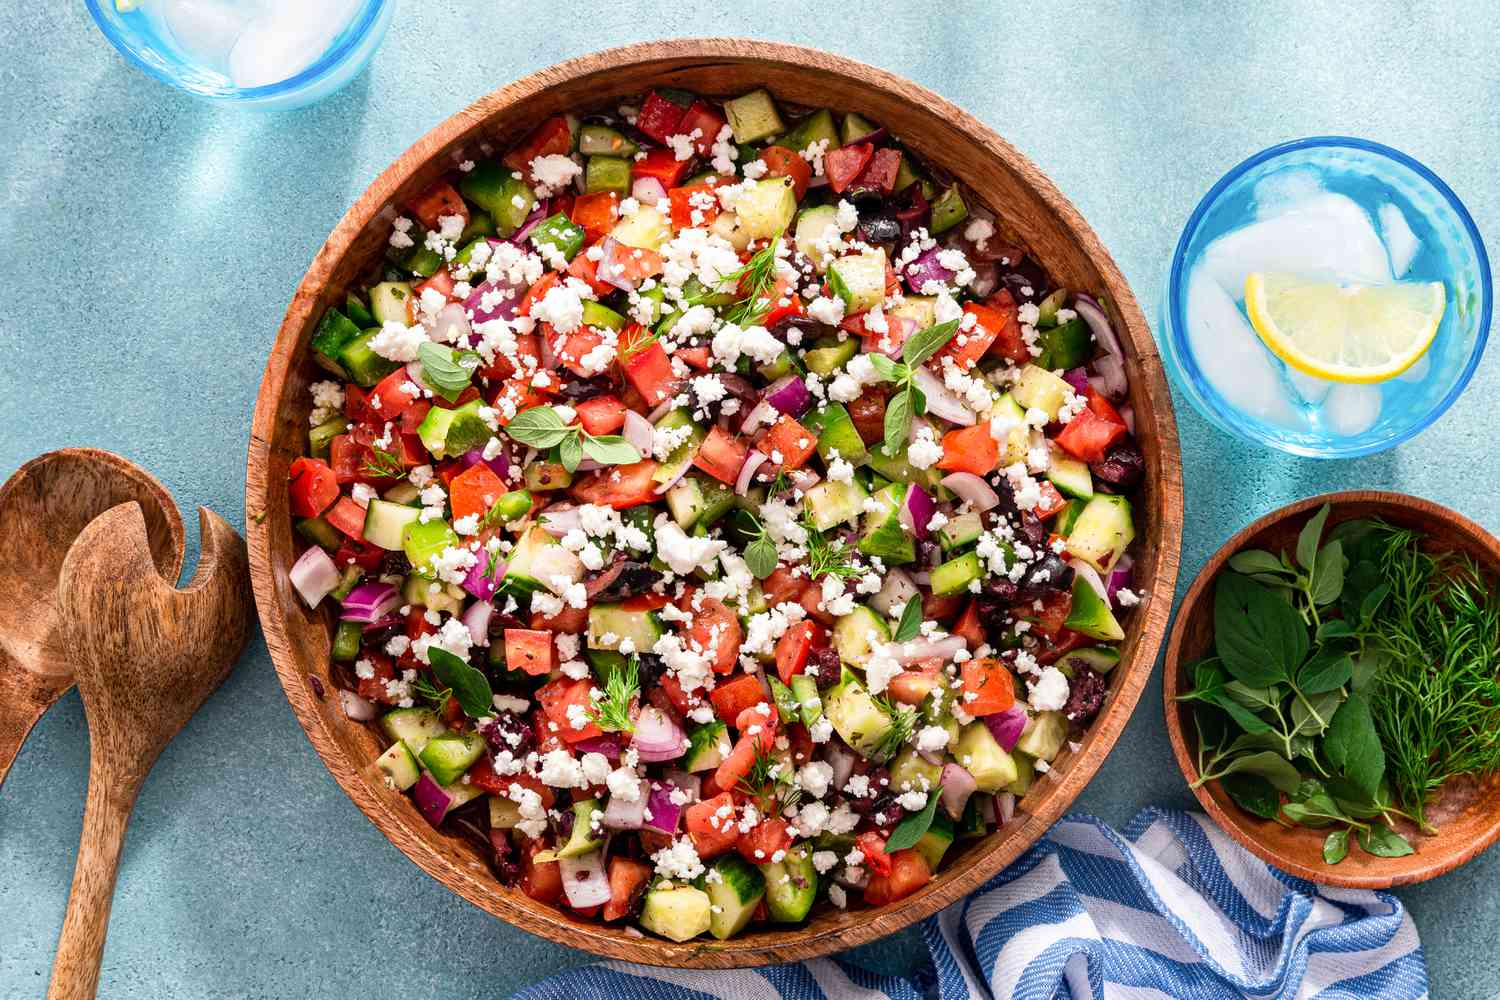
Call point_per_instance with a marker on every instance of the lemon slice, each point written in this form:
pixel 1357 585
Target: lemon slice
pixel 1344 333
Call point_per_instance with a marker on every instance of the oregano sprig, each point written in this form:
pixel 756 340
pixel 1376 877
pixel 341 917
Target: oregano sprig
pixel 909 401
pixel 542 428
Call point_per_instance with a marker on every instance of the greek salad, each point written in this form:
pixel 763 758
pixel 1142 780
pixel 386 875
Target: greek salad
pixel 722 514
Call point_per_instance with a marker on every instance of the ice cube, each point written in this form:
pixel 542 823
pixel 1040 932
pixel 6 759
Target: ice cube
pixel 1327 236
pixel 286 38
pixel 1282 189
pixel 1311 388
pixel 1351 409
pixel 1418 371
pixel 1231 356
pixel 205 30
pixel 1400 242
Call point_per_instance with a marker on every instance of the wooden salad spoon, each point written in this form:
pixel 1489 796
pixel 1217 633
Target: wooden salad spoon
pixel 43 507
pixel 148 657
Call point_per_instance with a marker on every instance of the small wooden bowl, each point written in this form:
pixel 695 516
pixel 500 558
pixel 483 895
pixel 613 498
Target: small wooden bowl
pixel 1468 812
pixel 1024 200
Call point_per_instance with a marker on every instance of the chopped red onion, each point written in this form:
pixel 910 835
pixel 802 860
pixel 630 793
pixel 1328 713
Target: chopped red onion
pixel 504 299
pixel 314 575
pixel 804 479
pixel 664 813
pixel 639 432
pixel 647 190
pixel 533 220
pixel 621 814
pixel 842 760
pixel 753 461
pixel 610 270
pixel 1119 577
pixel 941 402
pixel 479 582
pixel 657 737
pixel 790 395
pixel 897 589
pixel 987 810
pixel 927 649
pixel 560 519
pixel 958 784
pixel 1111 368
pixel 477 620
pixel 1098 320
pixel 607 744
pixel 370 602
pixel 1078 378
pixel 1005 806
pixel 433 801
pixel 666 486
pixel 1007 726
pixel 451 325
pixel 763 413
pixel 972 489
pixel 916 511
pixel 926 268
pixel 691 784
pixel 584 881
pixel 356 708
pixel 1127 414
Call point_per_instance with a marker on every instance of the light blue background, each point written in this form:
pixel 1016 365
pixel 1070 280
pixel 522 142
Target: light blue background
pixel 152 245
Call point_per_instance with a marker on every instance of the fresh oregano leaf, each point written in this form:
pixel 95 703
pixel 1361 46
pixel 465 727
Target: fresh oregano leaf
pixel 442 370
pixel 540 427
pixel 1383 842
pixel 1328 576
pixel 898 414
pixel 1325 671
pixel 911 621
pixel 610 449
pixel 1254 794
pixel 760 556
pixel 570 452
pixel 470 687
pixel 925 343
pixel 888 370
pixel 1336 846
pixel 1309 537
pixel 1258 636
pixel 1312 714
pixel 914 827
pixel 1334 628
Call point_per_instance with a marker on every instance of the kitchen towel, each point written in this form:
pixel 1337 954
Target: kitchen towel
pixel 1171 908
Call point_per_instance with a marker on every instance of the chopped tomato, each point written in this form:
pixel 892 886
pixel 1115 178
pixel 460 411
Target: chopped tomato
pixel 763 841
pixel 990 683
pixel 1051 502
pixel 586 269
pixel 969 345
pixel 1102 407
pixel 547 738
pixel 872 846
pixel 782 586
pixel 1064 642
pixel 1048 620
pixel 528 345
pixel 575 347
pixel 783 162
pixel 942 609
pixel 519 394
pixel 909 872
pixel 969 627
pixel 373 688
pixel 721 455
pixel 412 417
pixel 483 777
pixel 812 602
pixel 537 292
pixel 541 880
pixel 557 697
pixel 646 366
pixel 1004 320
pixel 1089 435
pixel 348 517
pixel 660 117
pixel 362 554
pixel 880 173
pixel 528 650
pixel 732 697
pixel 698 357
pixel 313 486
pixel 911 687
pixel 620 486
pixel 357 405
pixel 552 137
pixel 681 700
pixel 569 620
pixel 437 201
pixel 716 629
pixel 844 164
pixel 596 213
pixel 867 411
pixel 474 491
pixel 784 302
pixel 693 206
pixel 711 825
pixel 970 449
pixel 601 415
pixel 634 264
pixel 627 882
pixel 663 165
pixel 792 649
pixel 645 602
pixel 794 442
pixel 708 122
pixel 749 746
pixel 347 456
pixel 440 282
pixel 388 399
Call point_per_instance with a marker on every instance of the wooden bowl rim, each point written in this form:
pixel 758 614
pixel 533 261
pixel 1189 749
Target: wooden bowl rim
pixel 811 940
pixel 1409 870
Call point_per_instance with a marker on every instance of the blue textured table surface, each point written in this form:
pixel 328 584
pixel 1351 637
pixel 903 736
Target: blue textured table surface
pixel 155 241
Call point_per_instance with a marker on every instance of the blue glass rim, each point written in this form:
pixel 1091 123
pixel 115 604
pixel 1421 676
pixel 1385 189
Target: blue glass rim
pixel 148 61
pixel 1205 395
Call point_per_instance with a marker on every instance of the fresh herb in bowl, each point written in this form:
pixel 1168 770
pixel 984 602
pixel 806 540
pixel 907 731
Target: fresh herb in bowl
pixel 1351 679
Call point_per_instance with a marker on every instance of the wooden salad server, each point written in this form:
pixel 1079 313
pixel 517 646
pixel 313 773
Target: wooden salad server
pixel 43 507
pixel 148 656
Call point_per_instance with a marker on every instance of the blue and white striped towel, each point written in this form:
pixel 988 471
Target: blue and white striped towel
pixel 1173 908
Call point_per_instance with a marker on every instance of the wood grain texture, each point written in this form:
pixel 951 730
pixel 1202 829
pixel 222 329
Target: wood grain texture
pixel 1467 815
pixel 1025 201
pixel 147 657
pixel 43 507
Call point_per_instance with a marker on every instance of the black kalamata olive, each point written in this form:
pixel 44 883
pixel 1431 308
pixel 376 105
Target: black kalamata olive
pixel 867 202
pixel 635 578
pixel 576 390
pixel 811 328
pixel 1030 529
pixel 650 668
pixel 507 866
pixel 1122 467
pixel 824 664
pixel 881 228
pixel 1047 575
pixel 395 564
pixel 508 731
pixel 1027 282
pixel 1085 695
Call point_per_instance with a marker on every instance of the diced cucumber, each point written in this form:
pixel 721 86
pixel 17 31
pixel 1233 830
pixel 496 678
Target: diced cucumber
pixel 321 436
pixel 682 456
pixel 584 838
pixel 364 366
pixel 606 173
pixel 971 824
pixel 910 771
pixel 610 625
pixel 707 747
pixel 521 572
pixel 817 226
pixel 1044 735
pixel 858 720
pixel 448 756
pixel 334 331
pixel 733 894
pixel 948 211
pixel 504 814
pixel 421 590
pixel 500 192
pixel 601 140
pixel 696 500
pixel 827 357
pixel 346 640
pixel 1017 442
pixel 1102 532
pixel 449 433
pixel 601 316
pixel 791 885
pixel 960 530
pixel 1037 388
pixel 679 914
pixel 898 468
pixel 835 431
pixel 1066 346
pixel 955 575
pixel 1046 310
pixel 905 175
pixel 1068 517
pixel 815 127
pixel 1090 614
pixel 855 635
pixel 385 523
pixel 884 534
pixel 984 758
pixel 753 116
pixel 391 302
pixel 423 542
pixel 561 233
pixel 1025 775
pixel 766 209
pixel 1071 477
pixel 805 690
pixel 833 503
pixel 399 766
pixel 786 702
pixel 646 229
pixel 936 841
pixel 920 309
pixel 543 477
pixel 856 127
pixel 319 532
pixel 863 278
pixel 413 726
pixel 1100 659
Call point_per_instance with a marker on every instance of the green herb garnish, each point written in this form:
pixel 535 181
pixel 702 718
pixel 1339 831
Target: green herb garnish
pixel 903 724
pixel 446 371
pixel 770 783
pixel 611 712
pixel 828 556
pixel 469 686
pixel 757 277
pixel 908 400
pixel 382 463
pixel 914 827
pixel 540 427
pixel 911 621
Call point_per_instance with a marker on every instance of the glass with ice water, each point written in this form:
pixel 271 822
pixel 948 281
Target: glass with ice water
pixel 1330 209
pixel 264 54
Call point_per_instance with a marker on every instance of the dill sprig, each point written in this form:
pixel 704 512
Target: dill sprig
pixel 612 712
pixel 1437 701
pixel 770 783
pixel 756 278
pixel 903 724
pixel 828 556
pixel 429 692
pixel 384 464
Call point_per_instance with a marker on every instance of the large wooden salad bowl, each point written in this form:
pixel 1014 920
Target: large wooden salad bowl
pixel 941 133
